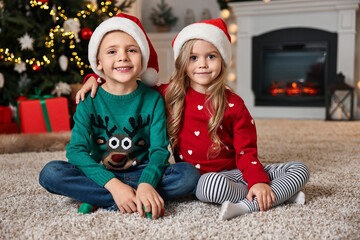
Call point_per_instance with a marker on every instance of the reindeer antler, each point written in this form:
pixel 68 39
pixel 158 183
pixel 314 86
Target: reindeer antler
pixel 101 124
pixel 140 125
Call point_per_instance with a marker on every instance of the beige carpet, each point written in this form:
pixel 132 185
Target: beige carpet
pixel 332 209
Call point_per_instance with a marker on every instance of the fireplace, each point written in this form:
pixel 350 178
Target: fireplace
pixel 310 59
pixel 293 67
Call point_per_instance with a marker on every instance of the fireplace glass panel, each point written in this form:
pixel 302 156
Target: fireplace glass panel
pixel 294 72
pixel 293 67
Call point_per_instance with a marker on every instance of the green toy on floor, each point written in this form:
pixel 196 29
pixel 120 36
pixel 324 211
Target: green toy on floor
pixel 86 208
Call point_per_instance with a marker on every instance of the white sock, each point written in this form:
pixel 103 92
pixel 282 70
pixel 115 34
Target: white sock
pixel 230 210
pixel 298 198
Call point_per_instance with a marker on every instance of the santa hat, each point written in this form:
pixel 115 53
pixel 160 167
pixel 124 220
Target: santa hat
pixel 213 31
pixel 132 26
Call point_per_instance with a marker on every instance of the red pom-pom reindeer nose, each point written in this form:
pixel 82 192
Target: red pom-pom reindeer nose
pixel 118 157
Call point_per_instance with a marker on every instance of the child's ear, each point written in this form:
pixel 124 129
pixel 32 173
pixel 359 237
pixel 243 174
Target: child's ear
pixel 99 65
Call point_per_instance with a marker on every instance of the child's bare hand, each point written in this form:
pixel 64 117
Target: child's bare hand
pixel 148 197
pixel 90 84
pixel 264 195
pixel 124 195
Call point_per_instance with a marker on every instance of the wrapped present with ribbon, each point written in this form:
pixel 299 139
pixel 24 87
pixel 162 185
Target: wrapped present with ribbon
pixel 5 114
pixel 43 113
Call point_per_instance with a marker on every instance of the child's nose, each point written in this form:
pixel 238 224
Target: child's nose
pixel 123 56
pixel 202 63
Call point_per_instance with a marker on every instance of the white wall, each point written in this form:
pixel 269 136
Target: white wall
pixel 179 10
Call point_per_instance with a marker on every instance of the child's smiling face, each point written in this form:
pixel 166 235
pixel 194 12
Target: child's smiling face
pixel 119 57
pixel 204 65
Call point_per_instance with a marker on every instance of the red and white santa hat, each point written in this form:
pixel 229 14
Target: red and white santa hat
pixel 213 30
pixel 132 26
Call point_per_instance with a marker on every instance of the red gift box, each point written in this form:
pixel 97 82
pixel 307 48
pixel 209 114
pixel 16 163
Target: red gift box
pixel 8 128
pixel 5 114
pixel 32 118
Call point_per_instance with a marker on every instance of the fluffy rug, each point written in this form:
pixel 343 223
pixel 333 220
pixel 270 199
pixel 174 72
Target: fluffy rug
pixel 332 208
pixel 16 143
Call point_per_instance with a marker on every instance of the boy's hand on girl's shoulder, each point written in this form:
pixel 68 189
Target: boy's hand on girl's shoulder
pixel 90 84
pixel 124 195
pixel 148 197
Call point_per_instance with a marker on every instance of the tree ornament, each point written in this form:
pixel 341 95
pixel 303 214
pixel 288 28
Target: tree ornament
pixel 20 67
pixel 93 3
pixel 35 67
pixel 63 62
pixel 61 88
pixel 54 10
pixel 72 25
pixel 43 1
pixel 28 11
pixel 24 80
pixel 86 33
pixel 2 80
pixel 26 42
pixel 1 6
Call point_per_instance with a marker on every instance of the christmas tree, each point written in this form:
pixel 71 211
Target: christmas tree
pixel 44 43
pixel 163 15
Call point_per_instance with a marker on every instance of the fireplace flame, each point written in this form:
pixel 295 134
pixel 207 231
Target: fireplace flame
pixel 293 89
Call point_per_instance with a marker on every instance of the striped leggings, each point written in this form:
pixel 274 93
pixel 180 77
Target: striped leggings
pixel 286 179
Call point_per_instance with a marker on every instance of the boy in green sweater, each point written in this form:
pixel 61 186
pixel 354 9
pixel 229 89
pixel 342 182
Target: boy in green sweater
pixel 118 157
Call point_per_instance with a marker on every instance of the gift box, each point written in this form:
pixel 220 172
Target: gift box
pixel 9 128
pixel 5 114
pixel 43 115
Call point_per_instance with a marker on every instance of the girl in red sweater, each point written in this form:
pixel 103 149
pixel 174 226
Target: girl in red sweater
pixel 210 127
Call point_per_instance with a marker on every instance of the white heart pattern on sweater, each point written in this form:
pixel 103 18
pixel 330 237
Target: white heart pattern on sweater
pixel 190 152
pixel 197 133
pixel 200 107
pixel 181 157
pixel 231 104
pixel 254 162
pixel 197 166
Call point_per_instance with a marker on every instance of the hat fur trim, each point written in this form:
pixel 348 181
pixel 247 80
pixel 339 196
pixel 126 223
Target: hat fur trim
pixel 207 32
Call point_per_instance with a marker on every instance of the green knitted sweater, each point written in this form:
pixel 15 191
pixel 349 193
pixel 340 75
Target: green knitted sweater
pixel 139 115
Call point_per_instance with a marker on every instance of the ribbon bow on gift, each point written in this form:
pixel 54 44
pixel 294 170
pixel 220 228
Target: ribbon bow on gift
pixel 42 98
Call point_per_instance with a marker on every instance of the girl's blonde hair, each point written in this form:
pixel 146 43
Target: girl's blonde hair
pixel 175 97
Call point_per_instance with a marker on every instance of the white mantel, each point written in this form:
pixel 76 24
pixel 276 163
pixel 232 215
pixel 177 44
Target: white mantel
pixel 255 18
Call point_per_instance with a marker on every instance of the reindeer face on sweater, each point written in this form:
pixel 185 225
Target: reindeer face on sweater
pixel 119 146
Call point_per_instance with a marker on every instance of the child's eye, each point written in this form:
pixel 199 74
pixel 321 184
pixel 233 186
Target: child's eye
pixel 211 56
pixel 193 58
pixel 132 50
pixel 111 51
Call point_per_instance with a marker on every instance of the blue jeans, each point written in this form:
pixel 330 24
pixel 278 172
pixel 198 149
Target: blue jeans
pixel 63 178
